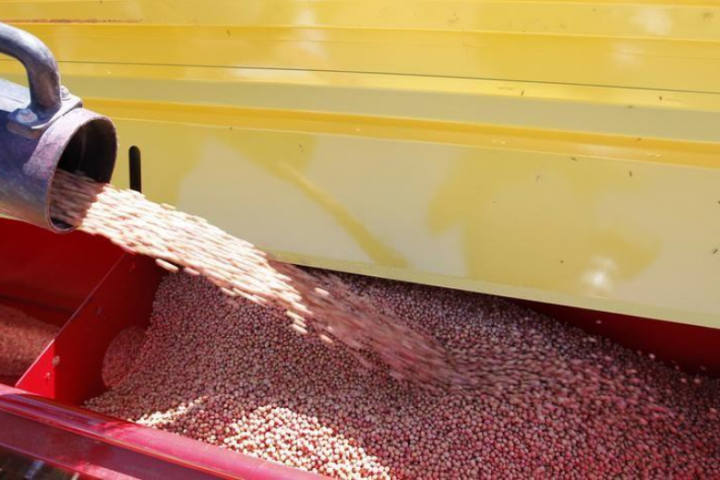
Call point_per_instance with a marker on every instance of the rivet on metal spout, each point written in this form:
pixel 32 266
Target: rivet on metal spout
pixel 43 128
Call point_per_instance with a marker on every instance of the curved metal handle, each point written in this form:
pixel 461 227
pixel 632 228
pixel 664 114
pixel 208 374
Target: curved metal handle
pixel 42 70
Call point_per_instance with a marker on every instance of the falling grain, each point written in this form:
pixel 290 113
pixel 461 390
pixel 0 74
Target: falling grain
pixel 179 241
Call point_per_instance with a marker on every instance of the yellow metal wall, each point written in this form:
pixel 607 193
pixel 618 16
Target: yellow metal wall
pixel 559 151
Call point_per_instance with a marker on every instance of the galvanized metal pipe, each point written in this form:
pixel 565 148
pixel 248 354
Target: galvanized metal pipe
pixel 44 128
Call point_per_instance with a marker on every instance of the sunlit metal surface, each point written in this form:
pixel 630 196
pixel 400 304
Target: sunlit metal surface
pixel 567 152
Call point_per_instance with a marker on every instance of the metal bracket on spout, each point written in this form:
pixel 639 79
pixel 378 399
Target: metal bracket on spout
pixel 25 122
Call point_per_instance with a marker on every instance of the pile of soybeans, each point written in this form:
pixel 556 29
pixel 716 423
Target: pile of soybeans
pixel 566 404
pixel 22 339
pixel 376 379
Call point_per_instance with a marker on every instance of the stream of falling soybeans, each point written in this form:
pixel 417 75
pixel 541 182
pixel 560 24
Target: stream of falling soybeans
pixel 182 242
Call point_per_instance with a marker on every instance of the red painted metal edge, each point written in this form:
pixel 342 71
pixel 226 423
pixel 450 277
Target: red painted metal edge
pixel 69 369
pixel 96 445
pixel 41 268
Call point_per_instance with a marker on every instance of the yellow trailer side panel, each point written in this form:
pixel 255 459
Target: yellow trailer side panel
pixel 566 152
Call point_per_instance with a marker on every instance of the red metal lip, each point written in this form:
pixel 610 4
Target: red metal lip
pixel 100 446
pixel 83 283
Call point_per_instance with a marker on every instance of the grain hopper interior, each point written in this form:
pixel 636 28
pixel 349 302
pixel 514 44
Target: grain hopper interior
pixel 114 295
